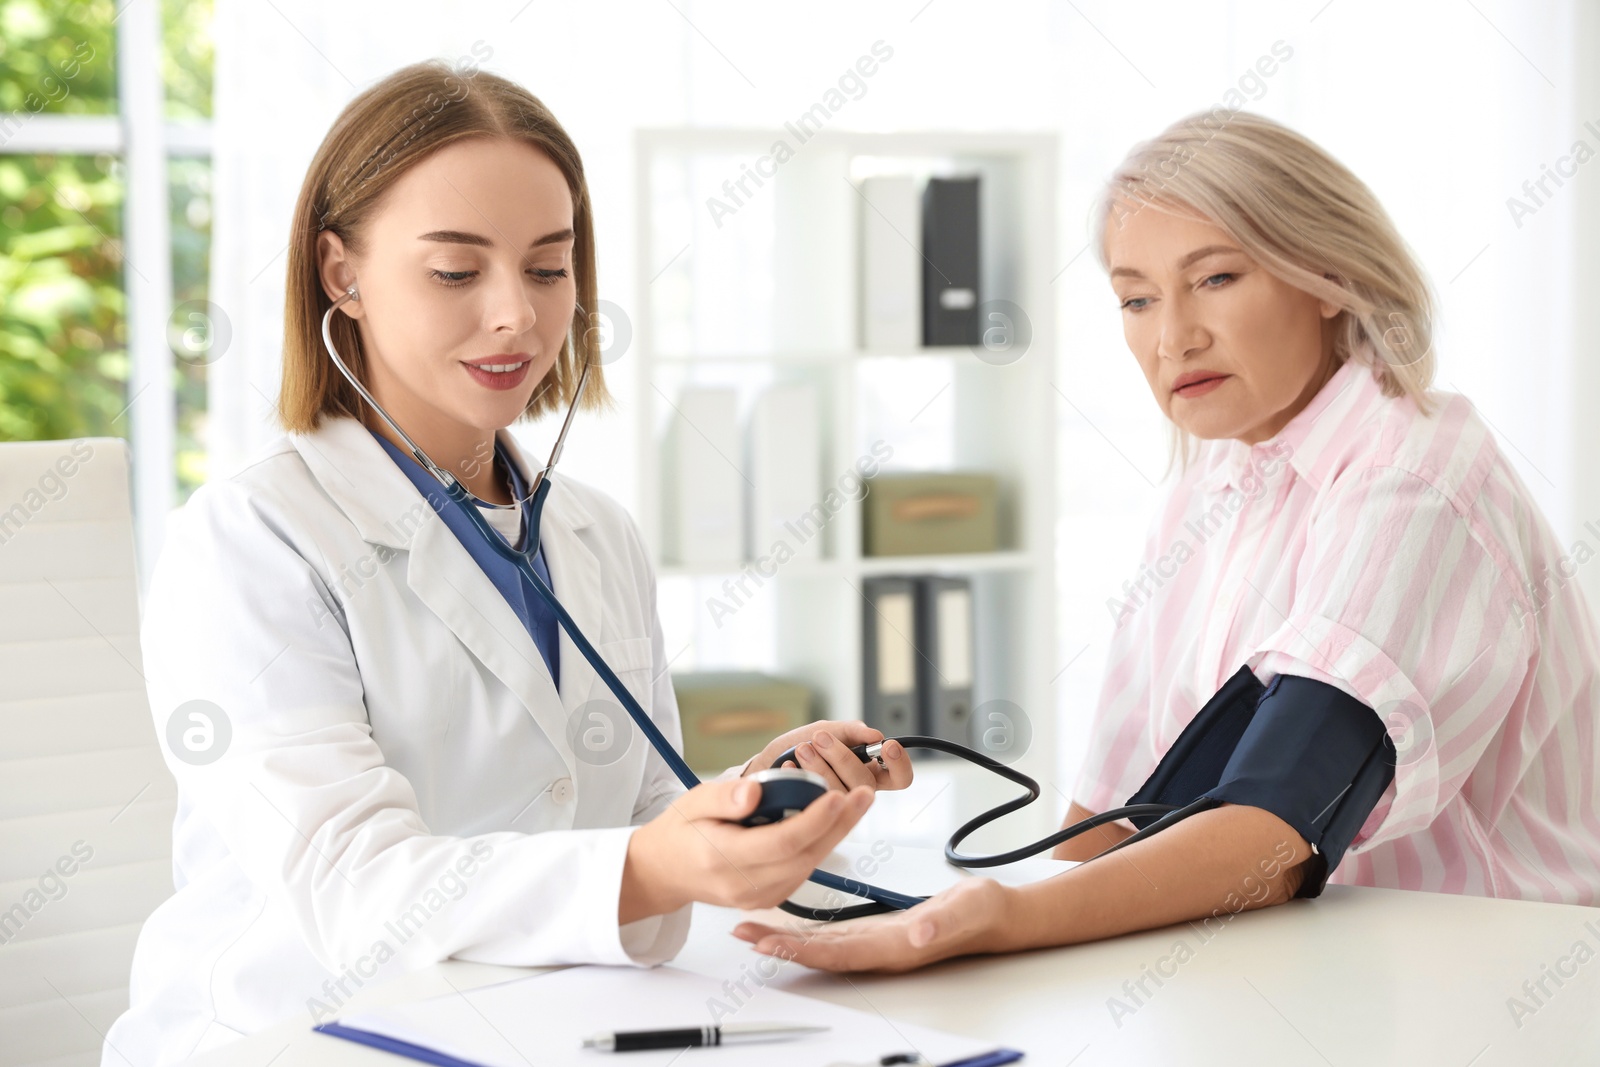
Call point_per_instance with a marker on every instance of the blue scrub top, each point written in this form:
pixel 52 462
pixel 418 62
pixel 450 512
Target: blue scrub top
pixel 535 614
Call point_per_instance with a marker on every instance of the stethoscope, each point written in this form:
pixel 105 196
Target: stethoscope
pixel 883 900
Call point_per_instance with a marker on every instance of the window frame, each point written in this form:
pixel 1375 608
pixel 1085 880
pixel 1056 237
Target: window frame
pixel 145 140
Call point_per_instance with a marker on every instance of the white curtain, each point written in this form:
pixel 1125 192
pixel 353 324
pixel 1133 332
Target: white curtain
pixel 1444 107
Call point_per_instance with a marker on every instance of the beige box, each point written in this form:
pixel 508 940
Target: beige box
pixel 729 716
pixel 930 514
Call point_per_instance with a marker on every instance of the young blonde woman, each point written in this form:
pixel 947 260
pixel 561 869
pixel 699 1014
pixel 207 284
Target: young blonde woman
pixel 411 761
pixel 1342 523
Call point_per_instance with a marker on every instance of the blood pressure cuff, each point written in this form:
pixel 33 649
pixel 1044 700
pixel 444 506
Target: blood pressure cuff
pixel 1306 751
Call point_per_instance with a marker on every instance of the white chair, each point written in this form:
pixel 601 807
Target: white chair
pixel 83 788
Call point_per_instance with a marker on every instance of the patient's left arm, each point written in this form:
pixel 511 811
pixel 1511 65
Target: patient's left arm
pixel 1210 866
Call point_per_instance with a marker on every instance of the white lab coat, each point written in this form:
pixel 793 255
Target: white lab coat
pixel 399 787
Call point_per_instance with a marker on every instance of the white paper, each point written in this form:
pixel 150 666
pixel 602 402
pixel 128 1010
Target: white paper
pixel 897 656
pixel 543 1019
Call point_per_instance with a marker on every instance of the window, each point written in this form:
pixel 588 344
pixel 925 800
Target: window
pixel 106 242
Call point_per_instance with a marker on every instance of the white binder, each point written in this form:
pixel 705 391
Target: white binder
pixel 890 301
pixel 702 485
pixel 785 466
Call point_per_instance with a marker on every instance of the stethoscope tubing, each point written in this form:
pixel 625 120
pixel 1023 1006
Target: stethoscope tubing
pixel 523 560
pixel 882 899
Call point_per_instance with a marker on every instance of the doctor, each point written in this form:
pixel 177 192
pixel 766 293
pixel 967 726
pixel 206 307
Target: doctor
pixel 386 755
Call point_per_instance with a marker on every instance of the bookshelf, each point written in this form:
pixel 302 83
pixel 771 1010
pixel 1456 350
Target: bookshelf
pixel 767 294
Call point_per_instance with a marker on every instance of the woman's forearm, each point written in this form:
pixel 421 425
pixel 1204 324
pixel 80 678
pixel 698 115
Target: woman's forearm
pixel 1090 843
pixel 1217 863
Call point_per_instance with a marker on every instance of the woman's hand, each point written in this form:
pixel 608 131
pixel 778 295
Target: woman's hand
pixel 824 747
pixel 967 919
pixel 695 850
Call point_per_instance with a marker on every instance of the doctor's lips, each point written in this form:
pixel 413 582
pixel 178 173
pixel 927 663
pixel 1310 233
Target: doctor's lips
pixel 504 371
pixel 1197 383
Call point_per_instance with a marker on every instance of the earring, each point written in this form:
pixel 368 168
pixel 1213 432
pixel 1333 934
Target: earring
pixel 354 295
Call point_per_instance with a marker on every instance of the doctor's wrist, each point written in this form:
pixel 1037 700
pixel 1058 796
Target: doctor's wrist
pixel 646 888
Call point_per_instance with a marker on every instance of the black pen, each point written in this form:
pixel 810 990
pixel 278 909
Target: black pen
pixel 697 1036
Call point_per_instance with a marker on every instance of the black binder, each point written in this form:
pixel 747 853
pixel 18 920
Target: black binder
pixel 950 262
pixel 889 698
pixel 945 662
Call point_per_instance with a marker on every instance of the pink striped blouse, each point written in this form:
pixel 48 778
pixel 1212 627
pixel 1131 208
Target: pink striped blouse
pixel 1400 558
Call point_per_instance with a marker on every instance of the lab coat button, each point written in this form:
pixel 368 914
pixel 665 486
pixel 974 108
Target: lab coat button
pixel 562 791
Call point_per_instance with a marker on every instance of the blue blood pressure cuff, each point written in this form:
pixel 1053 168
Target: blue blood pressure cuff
pixel 1306 751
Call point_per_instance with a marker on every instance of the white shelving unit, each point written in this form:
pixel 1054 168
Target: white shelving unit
pixel 767 294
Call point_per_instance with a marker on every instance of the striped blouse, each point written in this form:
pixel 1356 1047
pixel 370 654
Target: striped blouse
pixel 1398 557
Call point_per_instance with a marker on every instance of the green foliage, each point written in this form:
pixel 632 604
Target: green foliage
pixel 63 355
pixel 187 57
pixel 58 58
pixel 63 346
pixel 189 182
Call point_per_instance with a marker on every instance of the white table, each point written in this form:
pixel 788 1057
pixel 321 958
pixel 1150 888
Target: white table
pixel 1357 977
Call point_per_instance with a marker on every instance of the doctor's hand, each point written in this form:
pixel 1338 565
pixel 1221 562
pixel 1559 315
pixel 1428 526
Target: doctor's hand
pixel 824 747
pixel 969 918
pixel 696 850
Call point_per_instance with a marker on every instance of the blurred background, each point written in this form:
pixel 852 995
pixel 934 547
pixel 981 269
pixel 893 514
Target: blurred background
pixel 150 155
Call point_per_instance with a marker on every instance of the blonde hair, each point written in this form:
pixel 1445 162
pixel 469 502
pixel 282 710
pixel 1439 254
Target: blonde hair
pixel 379 136
pixel 1304 217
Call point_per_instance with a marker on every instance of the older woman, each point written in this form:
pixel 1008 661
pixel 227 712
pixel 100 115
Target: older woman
pixel 1341 523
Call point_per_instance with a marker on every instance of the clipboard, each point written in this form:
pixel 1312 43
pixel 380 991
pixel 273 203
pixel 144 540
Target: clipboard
pixel 546 1015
